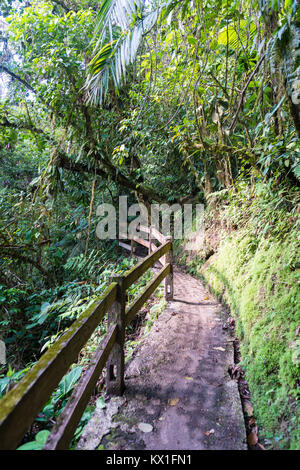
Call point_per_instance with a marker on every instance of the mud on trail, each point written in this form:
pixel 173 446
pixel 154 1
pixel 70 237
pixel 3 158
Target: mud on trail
pixel 179 394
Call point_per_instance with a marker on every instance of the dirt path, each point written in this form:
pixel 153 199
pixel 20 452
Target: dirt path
pixel 177 384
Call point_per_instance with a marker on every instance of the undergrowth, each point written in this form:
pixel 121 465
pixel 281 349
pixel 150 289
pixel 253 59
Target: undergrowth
pixel 51 313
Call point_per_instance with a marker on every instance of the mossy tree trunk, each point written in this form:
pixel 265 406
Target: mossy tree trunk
pixel 288 42
pixel 291 67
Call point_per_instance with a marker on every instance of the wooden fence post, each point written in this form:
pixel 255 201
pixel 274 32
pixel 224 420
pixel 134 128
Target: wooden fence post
pixel 132 249
pixel 168 258
pixel 115 365
pixel 150 240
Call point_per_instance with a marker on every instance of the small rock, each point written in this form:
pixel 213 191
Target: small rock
pixel 155 401
pixel 145 427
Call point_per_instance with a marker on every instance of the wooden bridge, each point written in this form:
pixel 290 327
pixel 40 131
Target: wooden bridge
pixel 20 406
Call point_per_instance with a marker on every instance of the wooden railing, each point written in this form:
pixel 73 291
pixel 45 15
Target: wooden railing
pixel 153 234
pixel 20 406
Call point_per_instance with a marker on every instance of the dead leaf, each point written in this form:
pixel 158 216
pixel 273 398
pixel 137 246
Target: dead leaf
pixel 252 422
pixel 206 298
pixel 173 401
pixel 220 349
pixel 252 438
pixel 188 378
pixel 236 371
pixel 248 408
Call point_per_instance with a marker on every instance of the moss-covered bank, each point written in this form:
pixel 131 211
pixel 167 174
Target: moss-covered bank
pixel 255 239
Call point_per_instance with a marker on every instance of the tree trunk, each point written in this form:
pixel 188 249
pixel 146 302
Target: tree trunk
pixel 291 69
pixel 289 44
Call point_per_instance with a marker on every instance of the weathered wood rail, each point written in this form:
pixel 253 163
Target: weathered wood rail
pixel 153 234
pixel 20 406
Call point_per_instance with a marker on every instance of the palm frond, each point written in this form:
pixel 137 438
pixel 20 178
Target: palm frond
pixel 116 13
pixel 124 22
pixel 236 38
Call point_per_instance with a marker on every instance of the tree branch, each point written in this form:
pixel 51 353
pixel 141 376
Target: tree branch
pixel 26 259
pixel 245 89
pixel 30 88
pixel 16 77
pixel 68 164
pixel 22 126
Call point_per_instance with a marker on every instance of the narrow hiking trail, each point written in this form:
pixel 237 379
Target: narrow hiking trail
pixel 179 394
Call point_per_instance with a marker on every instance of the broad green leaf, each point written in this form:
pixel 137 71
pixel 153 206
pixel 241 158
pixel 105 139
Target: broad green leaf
pixel 69 380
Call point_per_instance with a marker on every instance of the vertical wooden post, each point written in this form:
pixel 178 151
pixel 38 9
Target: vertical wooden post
pixel 168 258
pixel 132 245
pixel 115 365
pixel 150 240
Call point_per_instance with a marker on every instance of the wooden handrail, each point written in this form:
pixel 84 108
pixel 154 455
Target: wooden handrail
pixel 154 233
pixel 139 240
pixel 20 406
pixel 149 289
pixel 66 425
pixel 137 271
